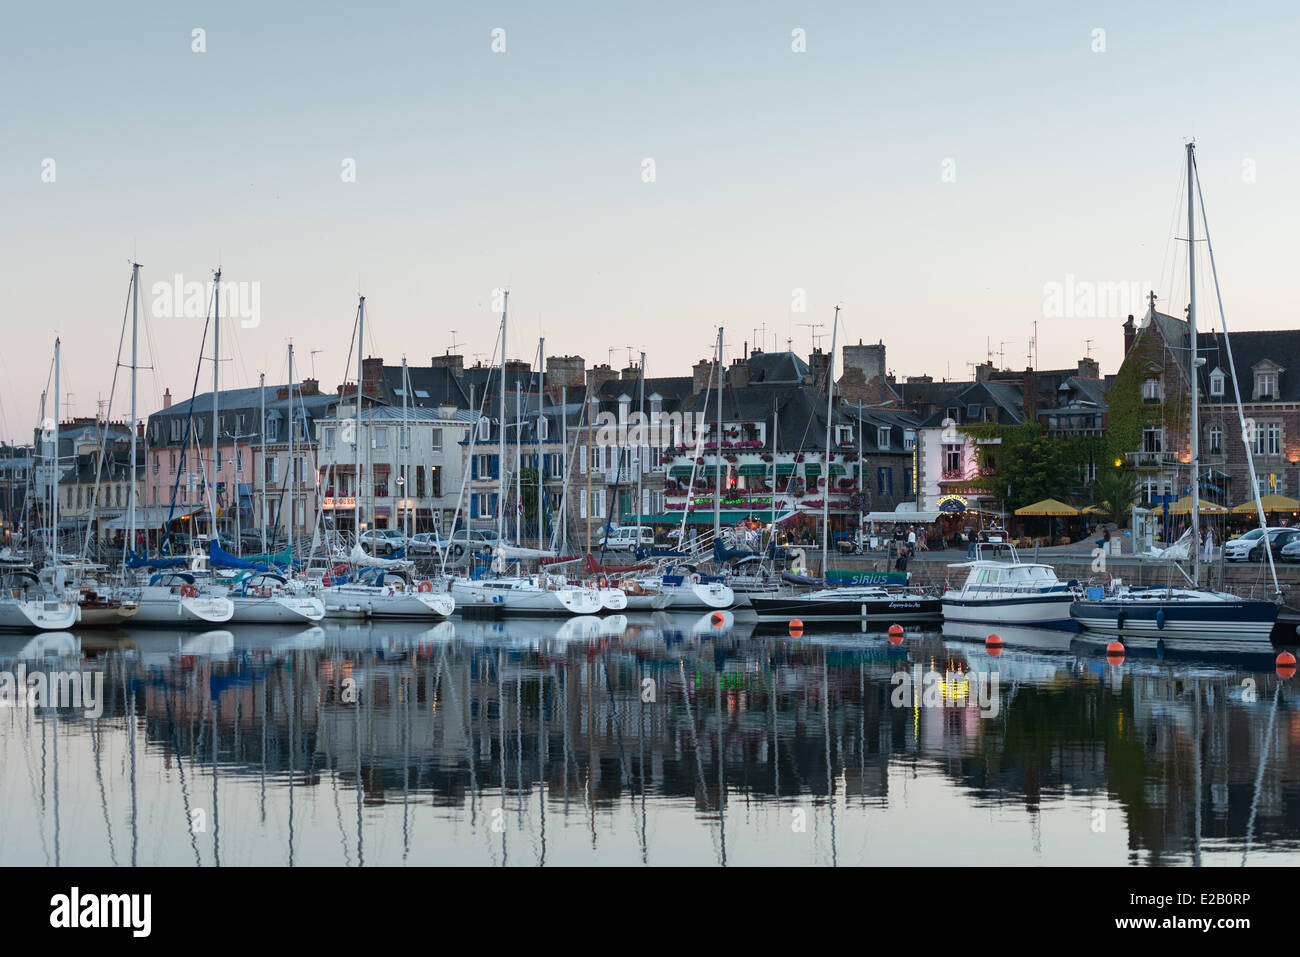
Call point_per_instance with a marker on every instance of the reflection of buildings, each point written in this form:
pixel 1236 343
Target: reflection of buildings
pixel 453 723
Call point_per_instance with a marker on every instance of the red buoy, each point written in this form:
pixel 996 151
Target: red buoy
pixel 1285 665
pixel 796 627
pixel 1115 652
pixel 718 619
pixel 993 645
pixel 895 630
pixel 896 637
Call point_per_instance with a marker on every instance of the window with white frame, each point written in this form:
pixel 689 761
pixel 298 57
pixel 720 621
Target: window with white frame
pixel 1265 385
pixel 1153 439
pixel 1268 439
pixel 1151 391
pixel 882 437
pixel 484 428
pixel 381 439
pixel 1216 441
pixel 1216 382
pixel 952 458
pixel 328 438
pixel 435 440
pixel 909 439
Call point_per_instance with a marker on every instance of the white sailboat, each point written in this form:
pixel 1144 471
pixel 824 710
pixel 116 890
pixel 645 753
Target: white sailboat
pixel 1168 614
pixel 379 588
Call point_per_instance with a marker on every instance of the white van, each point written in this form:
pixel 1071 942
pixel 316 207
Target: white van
pixel 627 538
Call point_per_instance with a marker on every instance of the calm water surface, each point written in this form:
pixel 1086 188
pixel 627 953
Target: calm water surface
pixel 626 741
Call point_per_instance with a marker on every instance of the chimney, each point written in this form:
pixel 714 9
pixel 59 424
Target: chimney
pixel 738 374
pixel 372 371
pixel 1029 395
pixel 309 387
pixel 984 371
pixel 598 376
pixel 819 369
pixel 1089 369
pixel 702 373
pixel 453 363
pixel 630 373
pixel 565 371
pixel 167 398
pixel 1130 333
pixel 863 378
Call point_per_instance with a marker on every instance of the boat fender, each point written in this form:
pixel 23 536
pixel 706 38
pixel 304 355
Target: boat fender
pixel 696 579
pixel 426 585
pixel 604 583
pixel 1160 618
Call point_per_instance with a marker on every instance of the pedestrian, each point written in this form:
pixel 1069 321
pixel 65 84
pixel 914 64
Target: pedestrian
pixel 1209 545
pixel 911 538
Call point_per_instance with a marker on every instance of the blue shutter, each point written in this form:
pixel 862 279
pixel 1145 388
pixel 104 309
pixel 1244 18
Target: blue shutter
pixel 496 467
pixel 494 503
pixel 473 466
pixel 473 506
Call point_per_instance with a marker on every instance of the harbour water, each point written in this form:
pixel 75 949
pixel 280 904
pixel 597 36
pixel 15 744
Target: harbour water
pixel 653 740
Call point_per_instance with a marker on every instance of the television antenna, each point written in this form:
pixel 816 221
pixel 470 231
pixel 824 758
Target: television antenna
pixel 814 326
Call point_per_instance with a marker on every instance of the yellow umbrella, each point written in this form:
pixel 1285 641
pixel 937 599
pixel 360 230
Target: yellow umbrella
pixel 1184 507
pixel 1048 506
pixel 1094 510
pixel 1272 503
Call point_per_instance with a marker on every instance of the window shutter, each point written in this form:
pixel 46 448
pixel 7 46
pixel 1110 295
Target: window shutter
pixel 473 506
pixel 582 503
pixel 473 466
pixel 582 464
pixel 494 503
pixel 496 472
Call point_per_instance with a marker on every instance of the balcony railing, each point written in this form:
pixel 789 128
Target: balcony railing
pixel 1151 459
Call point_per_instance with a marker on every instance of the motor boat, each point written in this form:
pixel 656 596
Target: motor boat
pixel 1009 592
pixel 852 604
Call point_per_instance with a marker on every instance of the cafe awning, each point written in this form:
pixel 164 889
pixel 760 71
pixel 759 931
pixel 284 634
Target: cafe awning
pixel 1048 506
pixel 1271 503
pixel 1184 507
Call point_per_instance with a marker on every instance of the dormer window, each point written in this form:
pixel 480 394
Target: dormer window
pixel 1216 382
pixel 484 428
pixel 1265 385
pixel 882 438
pixel 1152 390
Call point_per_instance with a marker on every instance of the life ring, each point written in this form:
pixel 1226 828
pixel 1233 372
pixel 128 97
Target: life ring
pixel 426 585
pixel 603 582
pixel 188 590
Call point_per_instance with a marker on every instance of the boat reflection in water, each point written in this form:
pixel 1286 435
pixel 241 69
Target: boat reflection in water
pixel 641 739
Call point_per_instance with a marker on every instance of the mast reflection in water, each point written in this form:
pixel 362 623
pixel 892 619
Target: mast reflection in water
pixel 617 741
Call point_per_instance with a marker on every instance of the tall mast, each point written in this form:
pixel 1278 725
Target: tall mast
pixel 537 440
pixel 519 468
pixel 261 393
pixel 293 478
pixel 356 430
pixel 717 449
pixel 404 498
pixel 135 313
pixel 643 450
pixel 216 369
pixel 826 459
pixel 1194 363
pixel 54 509
pixel 501 439
pixel 564 469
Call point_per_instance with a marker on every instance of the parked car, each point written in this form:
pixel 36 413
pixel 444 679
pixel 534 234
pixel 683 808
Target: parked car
pixel 1250 547
pixel 426 543
pixel 1281 539
pixel 1291 550
pixel 383 541
pixel 626 538
pixel 465 540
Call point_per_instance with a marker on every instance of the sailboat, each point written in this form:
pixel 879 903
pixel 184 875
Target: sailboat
pixel 379 588
pixel 540 594
pixel 1168 614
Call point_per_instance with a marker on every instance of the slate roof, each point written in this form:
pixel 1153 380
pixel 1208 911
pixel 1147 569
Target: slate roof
pixel 1248 350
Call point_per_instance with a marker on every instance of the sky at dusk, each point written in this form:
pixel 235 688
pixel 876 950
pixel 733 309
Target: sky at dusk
pixel 635 175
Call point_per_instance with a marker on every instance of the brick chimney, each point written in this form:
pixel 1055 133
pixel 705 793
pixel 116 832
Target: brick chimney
pixel 631 373
pixel 598 376
pixel 309 387
pixel 738 374
pixel 819 369
pixel 372 372
pixel 1029 395
pixel 1130 333
pixel 1089 369
pixel 565 371
pixel 984 371
pixel 863 378
pixel 702 376
pixel 453 363
pixel 167 398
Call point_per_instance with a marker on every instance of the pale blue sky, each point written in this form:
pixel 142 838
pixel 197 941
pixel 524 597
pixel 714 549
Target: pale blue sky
pixel 775 170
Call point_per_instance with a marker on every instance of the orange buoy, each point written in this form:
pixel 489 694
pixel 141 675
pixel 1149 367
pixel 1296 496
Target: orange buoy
pixel 718 619
pixel 896 637
pixel 895 630
pixel 1285 665
pixel 1115 652
pixel 796 627
pixel 993 645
